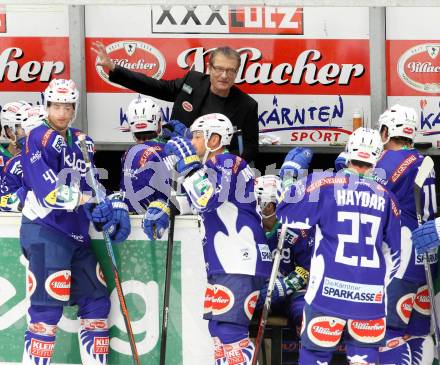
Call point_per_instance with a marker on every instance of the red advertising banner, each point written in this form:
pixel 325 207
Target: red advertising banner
pixel 413 68
pixel 269 66
pixel 29 63
pixel 2 19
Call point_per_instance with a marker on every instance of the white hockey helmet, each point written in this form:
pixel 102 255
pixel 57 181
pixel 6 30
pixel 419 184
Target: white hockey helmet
pixel 365 145
pixel 265 190
pixel 214 123
pixel 144 115
pixel 10 120
pixel 31 117
pixel 62 91
pixel 401 121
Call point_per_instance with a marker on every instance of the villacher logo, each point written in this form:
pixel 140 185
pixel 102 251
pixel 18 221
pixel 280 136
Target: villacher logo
pixel 419 67
pixel 134 55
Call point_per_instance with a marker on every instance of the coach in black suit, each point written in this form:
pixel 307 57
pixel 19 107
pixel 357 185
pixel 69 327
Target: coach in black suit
pixel 198 94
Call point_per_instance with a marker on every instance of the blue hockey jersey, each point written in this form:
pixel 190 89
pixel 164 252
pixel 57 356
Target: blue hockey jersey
pixel 397 170
pixel 233 239
pixel 11 180
pixel 54 177
pixel 357 240
pixel 5 155
pixel 297 248
pixel 145 177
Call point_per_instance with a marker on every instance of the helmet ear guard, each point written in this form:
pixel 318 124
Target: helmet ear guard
pixel 365 145
pixel 144 115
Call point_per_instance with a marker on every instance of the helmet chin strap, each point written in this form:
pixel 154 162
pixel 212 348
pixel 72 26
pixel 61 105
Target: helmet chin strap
pixel 209 150
pixel 267 216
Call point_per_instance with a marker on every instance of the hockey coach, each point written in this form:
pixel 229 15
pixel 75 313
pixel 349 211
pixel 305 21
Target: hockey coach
pixel 197 94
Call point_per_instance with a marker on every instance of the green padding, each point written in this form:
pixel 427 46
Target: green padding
pixel 141 267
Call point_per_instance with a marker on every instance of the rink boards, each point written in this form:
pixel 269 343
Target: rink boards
pixel 142 270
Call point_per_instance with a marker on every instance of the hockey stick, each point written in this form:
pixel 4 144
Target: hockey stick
pixel 424 171
pixel 268 299
pixel 169 267
pixel 110 254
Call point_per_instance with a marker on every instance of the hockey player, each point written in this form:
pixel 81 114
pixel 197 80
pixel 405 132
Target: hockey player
pixel 54 233
pixel 8 131
pixel 143 180
pixel 237 258
pixel 11 180
pixel 408 312
pixel 288 294
pixel 357 235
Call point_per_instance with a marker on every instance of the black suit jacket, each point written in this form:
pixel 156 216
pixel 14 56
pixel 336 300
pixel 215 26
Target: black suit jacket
pixel 191 91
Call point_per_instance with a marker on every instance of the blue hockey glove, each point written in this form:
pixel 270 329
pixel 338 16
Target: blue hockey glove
pixel 101 213
pixel 175 128
pixel 187 159
pixel 100 217
pixel 286 286
pixel 297 159
pixel 427 236
pixel 119 228
pixel 341 161
pixel 156 220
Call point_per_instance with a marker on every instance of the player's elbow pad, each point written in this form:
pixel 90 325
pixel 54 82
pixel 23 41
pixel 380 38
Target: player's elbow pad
pixel 62 197
pixel 200 191
pixel 10 203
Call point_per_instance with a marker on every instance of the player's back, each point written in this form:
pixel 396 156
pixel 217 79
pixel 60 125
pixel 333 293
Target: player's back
pixel 234 240
pixel 397 170
pixel 144 175
pixel 353 216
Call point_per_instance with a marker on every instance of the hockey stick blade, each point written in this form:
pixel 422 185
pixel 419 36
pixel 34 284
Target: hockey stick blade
pixel 109 249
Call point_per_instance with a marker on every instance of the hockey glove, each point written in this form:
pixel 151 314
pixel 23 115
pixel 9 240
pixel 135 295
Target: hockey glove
pixel 101 213
pixel 10 203
pixel 187 159
pixel 297 159
pixel 427 236
pixel 120 221
pixel 175 128
pixel 341 161
pixel 285 286
pixel 156 220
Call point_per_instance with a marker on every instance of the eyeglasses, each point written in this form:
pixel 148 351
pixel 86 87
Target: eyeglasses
pixel 219 70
